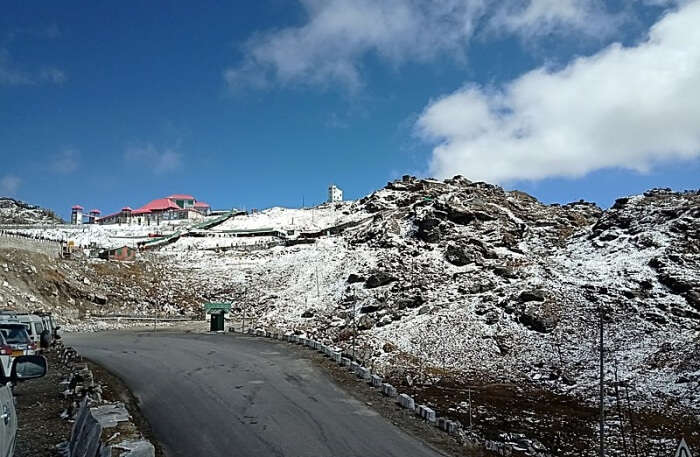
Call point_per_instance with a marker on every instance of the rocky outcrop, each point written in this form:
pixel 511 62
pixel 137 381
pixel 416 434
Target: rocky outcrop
pixel 20 213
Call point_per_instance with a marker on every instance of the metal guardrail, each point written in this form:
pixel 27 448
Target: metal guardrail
pixel 144 318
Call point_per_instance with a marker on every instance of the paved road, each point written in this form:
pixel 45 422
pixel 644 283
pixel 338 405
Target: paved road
pixel 234 395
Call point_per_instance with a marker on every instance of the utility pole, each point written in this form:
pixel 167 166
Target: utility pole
pixel 619 411
pixel 470 407
pixel 318 294
pixel 354 327
pixel 245 297
pixel 602 392
pixel 629 411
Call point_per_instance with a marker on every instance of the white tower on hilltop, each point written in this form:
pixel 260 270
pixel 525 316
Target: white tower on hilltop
pixel 335 194
pixel 76 215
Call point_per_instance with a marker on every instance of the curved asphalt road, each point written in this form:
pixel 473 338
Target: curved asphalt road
pixel 233 395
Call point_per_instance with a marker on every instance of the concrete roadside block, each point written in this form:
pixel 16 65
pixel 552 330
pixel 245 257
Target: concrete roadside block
pixel 336 356
pixel 447 425
pixel 344 361
pixel 426 413
pixel 376 381
pixel 260 332
pixel 407 402
pixel 389 390
pixel 364 373
pixel 354 366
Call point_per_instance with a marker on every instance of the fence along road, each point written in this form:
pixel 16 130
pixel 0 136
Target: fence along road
pixel 234 395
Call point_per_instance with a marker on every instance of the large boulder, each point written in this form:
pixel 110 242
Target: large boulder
pixel 531 295
pixel 365 323
pixel 532 319
pixel 379 279
pixel 459 256
pixel 429 229
pixel 410 302
pixel 353 278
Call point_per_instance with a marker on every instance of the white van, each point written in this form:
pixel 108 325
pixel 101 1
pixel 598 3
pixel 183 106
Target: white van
pixel 35 326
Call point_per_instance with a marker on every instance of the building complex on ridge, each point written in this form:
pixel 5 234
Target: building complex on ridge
pixel 173 207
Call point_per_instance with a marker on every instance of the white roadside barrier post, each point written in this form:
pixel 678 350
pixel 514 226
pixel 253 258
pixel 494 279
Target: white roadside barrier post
pixel 407 402
pixel 389 390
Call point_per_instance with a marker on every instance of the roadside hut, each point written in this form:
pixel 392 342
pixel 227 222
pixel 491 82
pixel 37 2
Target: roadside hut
pixel 216 314
pixel 121 253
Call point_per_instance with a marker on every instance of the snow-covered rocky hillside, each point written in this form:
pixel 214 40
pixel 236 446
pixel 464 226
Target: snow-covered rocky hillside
pixel 429 281
pixel 465 276
pixel 18 212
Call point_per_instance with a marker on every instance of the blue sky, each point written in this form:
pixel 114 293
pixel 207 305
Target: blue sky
pixel 255 104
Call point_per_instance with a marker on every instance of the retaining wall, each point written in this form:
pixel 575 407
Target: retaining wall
pixel 46 247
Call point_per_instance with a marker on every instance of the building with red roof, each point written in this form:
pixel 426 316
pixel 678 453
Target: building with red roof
pixel 173 207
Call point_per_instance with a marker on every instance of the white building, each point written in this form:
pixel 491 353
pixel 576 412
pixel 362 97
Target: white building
pixel 335 194
pixel 76 215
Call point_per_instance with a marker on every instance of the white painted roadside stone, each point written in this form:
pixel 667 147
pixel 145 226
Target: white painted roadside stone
pixel 337 357
pixel 344 361
pixel 406 402
pixel 426 413
pixel 389 390
pixel 354 366
pixel 376 381
pixel 363 373
pixel 447 425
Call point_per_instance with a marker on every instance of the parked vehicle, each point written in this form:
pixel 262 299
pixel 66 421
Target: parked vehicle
pixel 17 338
pixel 23 368
pixel 8 422
pixel 35 329
pixel 14 342
pixel 7 356
pixel 51 325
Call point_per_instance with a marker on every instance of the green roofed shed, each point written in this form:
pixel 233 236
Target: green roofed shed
pixel 211 307
pixel 216 314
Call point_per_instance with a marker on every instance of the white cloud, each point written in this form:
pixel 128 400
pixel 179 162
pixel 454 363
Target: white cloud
pixel 66 161
pixel 624 107
pixel 9 185
pixel 542 17
pixel 337 35
pixel 15 74
pixel 52 75
pixel 160 161
pixel 12 74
